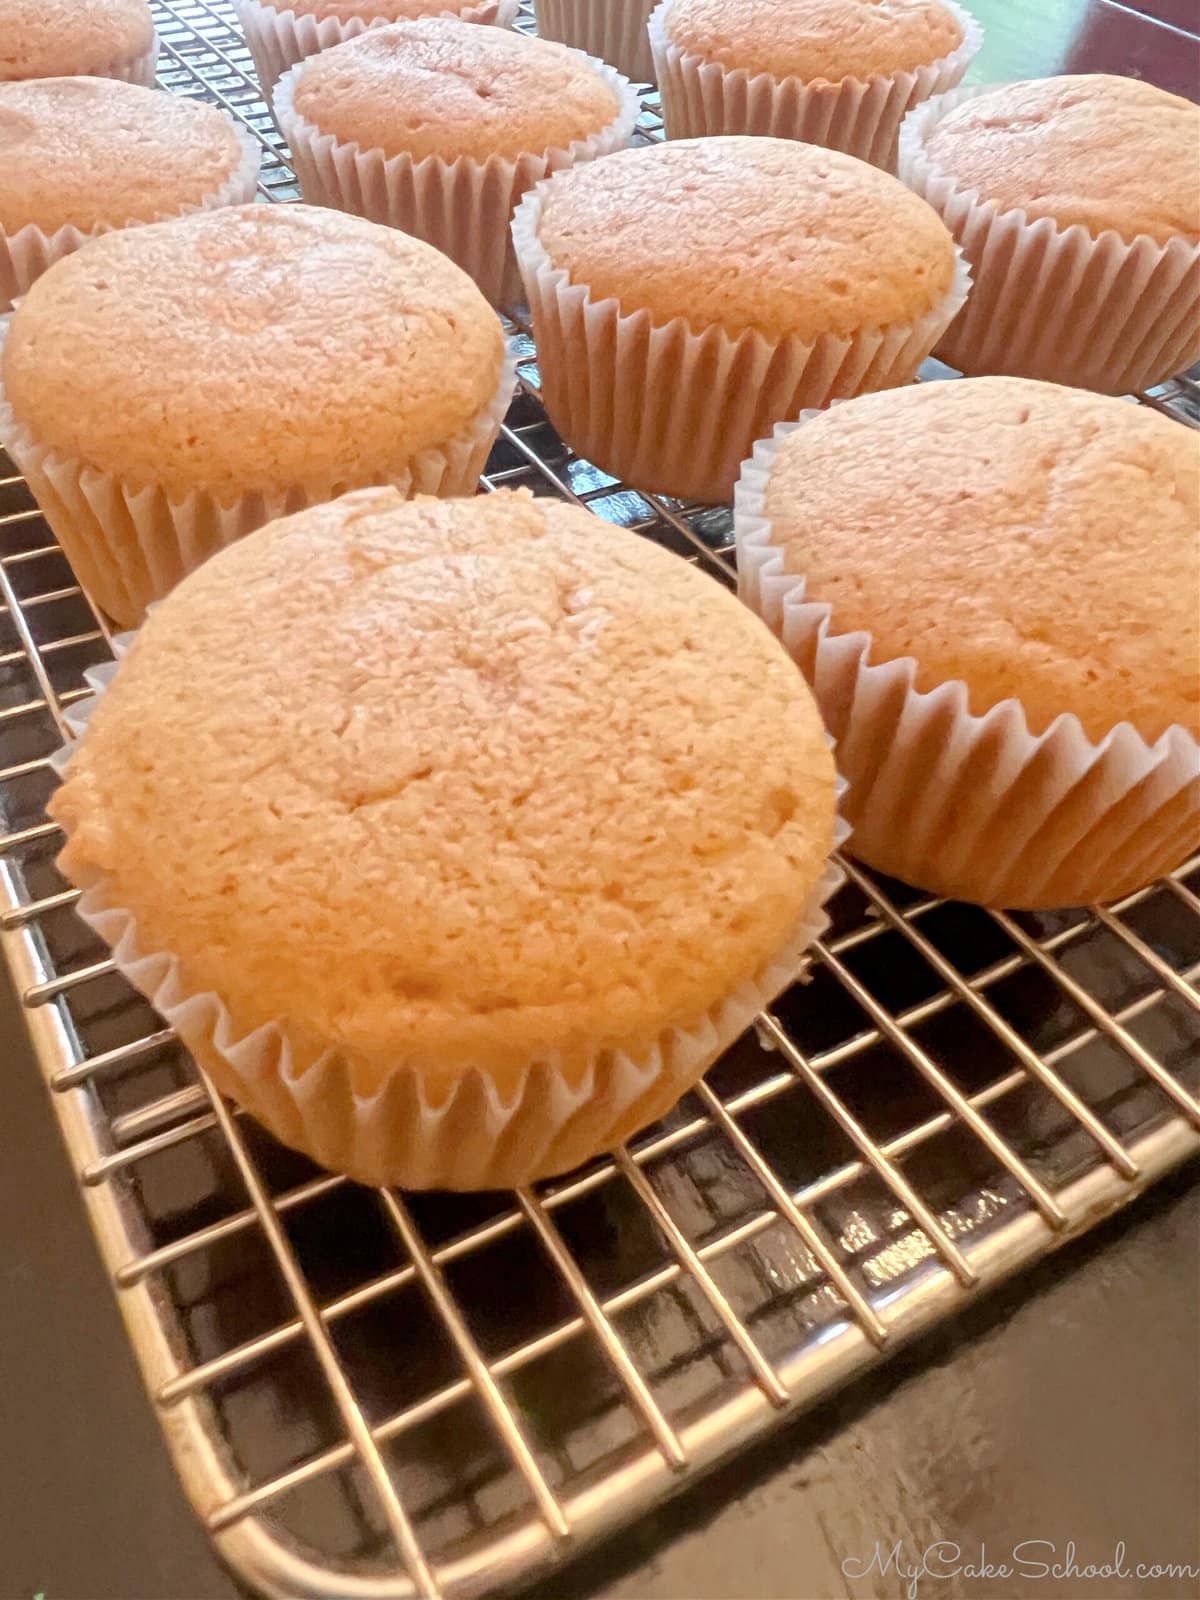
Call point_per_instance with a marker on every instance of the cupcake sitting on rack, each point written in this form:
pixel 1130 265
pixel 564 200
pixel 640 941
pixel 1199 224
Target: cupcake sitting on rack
pixel 1077 202
pixel 992 586
pixel 432 831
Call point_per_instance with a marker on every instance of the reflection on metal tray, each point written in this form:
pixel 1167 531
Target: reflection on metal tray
pixel 375 1395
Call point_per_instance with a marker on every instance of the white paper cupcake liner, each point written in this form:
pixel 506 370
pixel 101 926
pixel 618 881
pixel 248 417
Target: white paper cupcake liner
pixel 972 807
pixel 670 408
pixel 860 116
pixel 463 207
pixel 279 39
pixel 25 254
pixel 133 69
pixel 129 545
pixel 614 30
pixel 474 1137
pixel 1093 311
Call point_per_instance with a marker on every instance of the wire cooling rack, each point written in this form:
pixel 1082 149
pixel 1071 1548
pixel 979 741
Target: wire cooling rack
pixel 376 1395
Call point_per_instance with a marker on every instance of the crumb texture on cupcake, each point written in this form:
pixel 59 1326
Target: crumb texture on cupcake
pixel 1101 151
pixel 441 87
pixel 816 40
pixel 55 38
pixel 93 151
pixel 1036 542
pixel 453 783
pixel 250 347
pixel 749 233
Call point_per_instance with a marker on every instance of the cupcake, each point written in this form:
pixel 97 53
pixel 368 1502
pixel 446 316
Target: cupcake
pixel 67 38
pixel 1077 203
pixel 991 586
pixel 614 30
pixel 439 128
pixel 282 32
pixel 83 155
pixel 432 831
pixel 167 388
pixel 829 72
pixel 773 276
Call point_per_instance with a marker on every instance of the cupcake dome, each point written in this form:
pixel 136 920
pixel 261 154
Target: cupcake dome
pixel 992 585
pixel 750 233
pixel 60 38
pixel 438 87
pixel 472 750
pixel 1100 151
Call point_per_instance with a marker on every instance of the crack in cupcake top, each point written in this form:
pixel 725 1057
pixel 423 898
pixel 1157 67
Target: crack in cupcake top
pixel 749 233
pixel 816 40
pixel 91 151
pixel 1100 151
pixel 442 87
pixel 251 347
pixel 458 782
pixel 57 38
pixel 1036 542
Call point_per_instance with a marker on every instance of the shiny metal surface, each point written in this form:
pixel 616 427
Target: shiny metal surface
pixel 436 1395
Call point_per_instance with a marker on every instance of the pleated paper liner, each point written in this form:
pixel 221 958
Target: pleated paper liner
pixel 279 39
pixel 131 544
pixel 462 207
pixel 25 254
pixel 1095 311
pixel 614 30
pixel 472 1136
pixel 676 410
pixel 974 807
pixel 860 116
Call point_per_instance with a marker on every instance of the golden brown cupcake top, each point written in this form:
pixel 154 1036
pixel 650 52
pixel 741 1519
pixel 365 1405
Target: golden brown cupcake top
pixel 455 783
pixel 816 40
pixel 56 38
pixel 1036 542
pixel 441 87
pixel 1100 151
pixel 93 151
pixel 250 347
pixel 748 233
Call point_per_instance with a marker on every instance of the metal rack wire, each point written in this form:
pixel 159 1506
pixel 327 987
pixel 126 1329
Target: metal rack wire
pixel 383 1396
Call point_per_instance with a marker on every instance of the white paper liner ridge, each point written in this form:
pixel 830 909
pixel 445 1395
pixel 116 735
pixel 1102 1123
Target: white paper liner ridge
pixel 278 39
